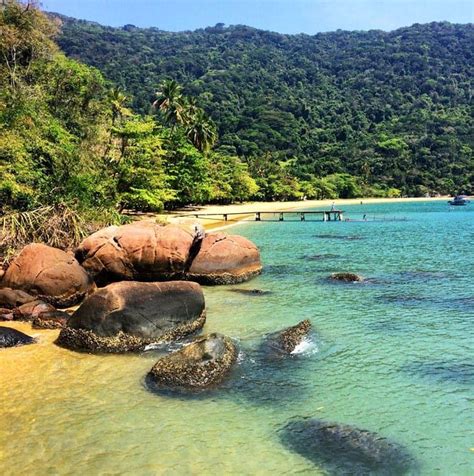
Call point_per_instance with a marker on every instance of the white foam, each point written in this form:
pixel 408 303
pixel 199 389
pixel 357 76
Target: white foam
pixel 153 347
pixel 306 346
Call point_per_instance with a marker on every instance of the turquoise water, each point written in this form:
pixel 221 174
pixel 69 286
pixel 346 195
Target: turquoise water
pixel 393 355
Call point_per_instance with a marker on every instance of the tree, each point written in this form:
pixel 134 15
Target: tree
pixel 170 103
pixel 201 131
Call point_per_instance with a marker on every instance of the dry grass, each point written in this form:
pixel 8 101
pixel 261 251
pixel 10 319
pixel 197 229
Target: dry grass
pixel 57 225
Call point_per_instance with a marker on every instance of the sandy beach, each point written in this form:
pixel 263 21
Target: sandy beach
pixel 247 209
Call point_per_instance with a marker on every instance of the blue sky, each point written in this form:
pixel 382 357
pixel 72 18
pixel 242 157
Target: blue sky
pixel 285 16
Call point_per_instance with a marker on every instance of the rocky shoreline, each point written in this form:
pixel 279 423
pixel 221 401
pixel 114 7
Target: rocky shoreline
pixel 140 284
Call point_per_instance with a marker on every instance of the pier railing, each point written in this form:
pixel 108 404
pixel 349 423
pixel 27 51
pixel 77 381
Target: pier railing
pixel 322 215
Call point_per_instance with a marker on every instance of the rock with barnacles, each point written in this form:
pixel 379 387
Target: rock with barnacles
pixel 203 363
pixel 129 315
pixel 347 277
pixel 284 342
pixel 49 274
pixel 54 319
pixel 225 259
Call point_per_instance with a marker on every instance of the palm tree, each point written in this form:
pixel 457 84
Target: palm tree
pixel 170 102
pixel 117 104
pixel 202 131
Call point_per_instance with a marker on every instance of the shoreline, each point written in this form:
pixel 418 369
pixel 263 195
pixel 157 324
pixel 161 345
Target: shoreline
pixel 249 208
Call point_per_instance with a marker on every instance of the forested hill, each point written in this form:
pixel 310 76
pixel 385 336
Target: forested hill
pixel 393 108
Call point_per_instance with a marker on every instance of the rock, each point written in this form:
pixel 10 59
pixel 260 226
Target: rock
pixel 146 251
pixel 251 292
pixel 203 363
pixel 142 251
pixel 320 257
pixel 225 259
pixel 11 298
pixel 344 449
pixel 11 338
pixel 31 310
pixel 127 316
pixel 347 277
pixel 285 342
pixel 50 274
pixel 41 314
pixel 50 320
pixel 6 314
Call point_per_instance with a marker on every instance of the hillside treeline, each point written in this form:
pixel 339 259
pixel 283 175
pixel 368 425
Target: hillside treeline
pixel 391 110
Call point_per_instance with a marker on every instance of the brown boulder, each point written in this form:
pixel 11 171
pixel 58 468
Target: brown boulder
pixel 203 363
pixel 6 314
pixel 11 298
pixel 141 251
pixel 31 310
pixel 129 315
pixel 50 274
pixel 225 259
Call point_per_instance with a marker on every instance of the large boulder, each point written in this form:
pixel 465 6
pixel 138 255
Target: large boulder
pixel 225 259
pixel 142 251
pixel 50 274
pixel 344 449
pixel 146 251
pixel 127 316
pixel 203 363
pixel 11 338
pixel 279 344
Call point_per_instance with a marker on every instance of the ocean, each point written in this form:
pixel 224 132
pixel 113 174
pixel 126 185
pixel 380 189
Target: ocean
pixel 392 354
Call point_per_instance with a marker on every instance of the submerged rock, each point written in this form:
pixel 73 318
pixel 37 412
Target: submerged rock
pixel 225 259
pixel 339 237
pixel 251 292
pixel 320 257
pixel 50 274
pixel 11 338
pixel 285 342
pixel 344 449
pixel 127 316
pixel 458 371
pixel 346 277
pixel 203 363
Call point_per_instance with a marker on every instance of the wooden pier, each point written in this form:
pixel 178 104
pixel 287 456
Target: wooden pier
pixel 323 215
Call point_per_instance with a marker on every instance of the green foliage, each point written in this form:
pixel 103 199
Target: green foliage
pixel 394 109
pixel 230 179
pixel 68 138
pixel 141 181
pixel 338 115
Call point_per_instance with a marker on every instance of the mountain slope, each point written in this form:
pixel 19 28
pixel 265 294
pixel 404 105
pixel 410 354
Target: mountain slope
pixel 392 108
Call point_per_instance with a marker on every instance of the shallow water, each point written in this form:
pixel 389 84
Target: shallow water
pixel 393 355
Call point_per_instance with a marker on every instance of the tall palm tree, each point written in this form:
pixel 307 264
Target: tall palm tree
pixel 117 104
pixel 170 101
pixel 202 131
